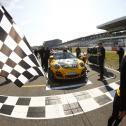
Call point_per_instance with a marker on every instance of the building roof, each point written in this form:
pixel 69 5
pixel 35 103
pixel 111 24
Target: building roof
pixel 118 24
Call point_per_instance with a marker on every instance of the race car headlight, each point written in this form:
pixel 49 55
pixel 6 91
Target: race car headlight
pixel 57 66
pixel 81 64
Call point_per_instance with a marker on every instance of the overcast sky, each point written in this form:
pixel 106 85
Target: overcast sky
pixel 42 20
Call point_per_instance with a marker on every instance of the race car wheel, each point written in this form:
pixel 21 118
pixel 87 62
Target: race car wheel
pixel 84 78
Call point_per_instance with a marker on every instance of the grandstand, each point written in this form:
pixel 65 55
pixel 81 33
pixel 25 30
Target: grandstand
pixel 52 43
pixel 114 35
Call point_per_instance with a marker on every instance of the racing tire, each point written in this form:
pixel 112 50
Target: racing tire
pixel 84 78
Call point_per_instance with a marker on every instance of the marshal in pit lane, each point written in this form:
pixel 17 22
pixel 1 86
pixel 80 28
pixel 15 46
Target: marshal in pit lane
pixel 64 65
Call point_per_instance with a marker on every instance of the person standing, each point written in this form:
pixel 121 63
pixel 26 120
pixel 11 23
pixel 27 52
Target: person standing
pixel 101 59
pixel 120 52
pixel 41 53
pixel 78 52
pixel 119 104
pixel 46 57
pixel 70 49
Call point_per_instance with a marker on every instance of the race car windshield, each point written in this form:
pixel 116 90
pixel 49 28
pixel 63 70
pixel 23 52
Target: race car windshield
pixel 63 55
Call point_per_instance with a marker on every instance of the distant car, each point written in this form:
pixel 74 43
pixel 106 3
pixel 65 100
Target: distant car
pixel 64 65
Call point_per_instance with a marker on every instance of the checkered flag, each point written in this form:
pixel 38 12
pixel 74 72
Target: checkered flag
pixel 17 62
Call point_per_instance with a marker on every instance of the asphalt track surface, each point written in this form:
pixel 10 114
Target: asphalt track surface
pixel 67 103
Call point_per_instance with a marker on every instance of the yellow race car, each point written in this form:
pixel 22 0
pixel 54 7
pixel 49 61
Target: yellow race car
pixel 64 65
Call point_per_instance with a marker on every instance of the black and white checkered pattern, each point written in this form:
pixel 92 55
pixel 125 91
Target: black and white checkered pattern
pixel 57 106
pixel 17 62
